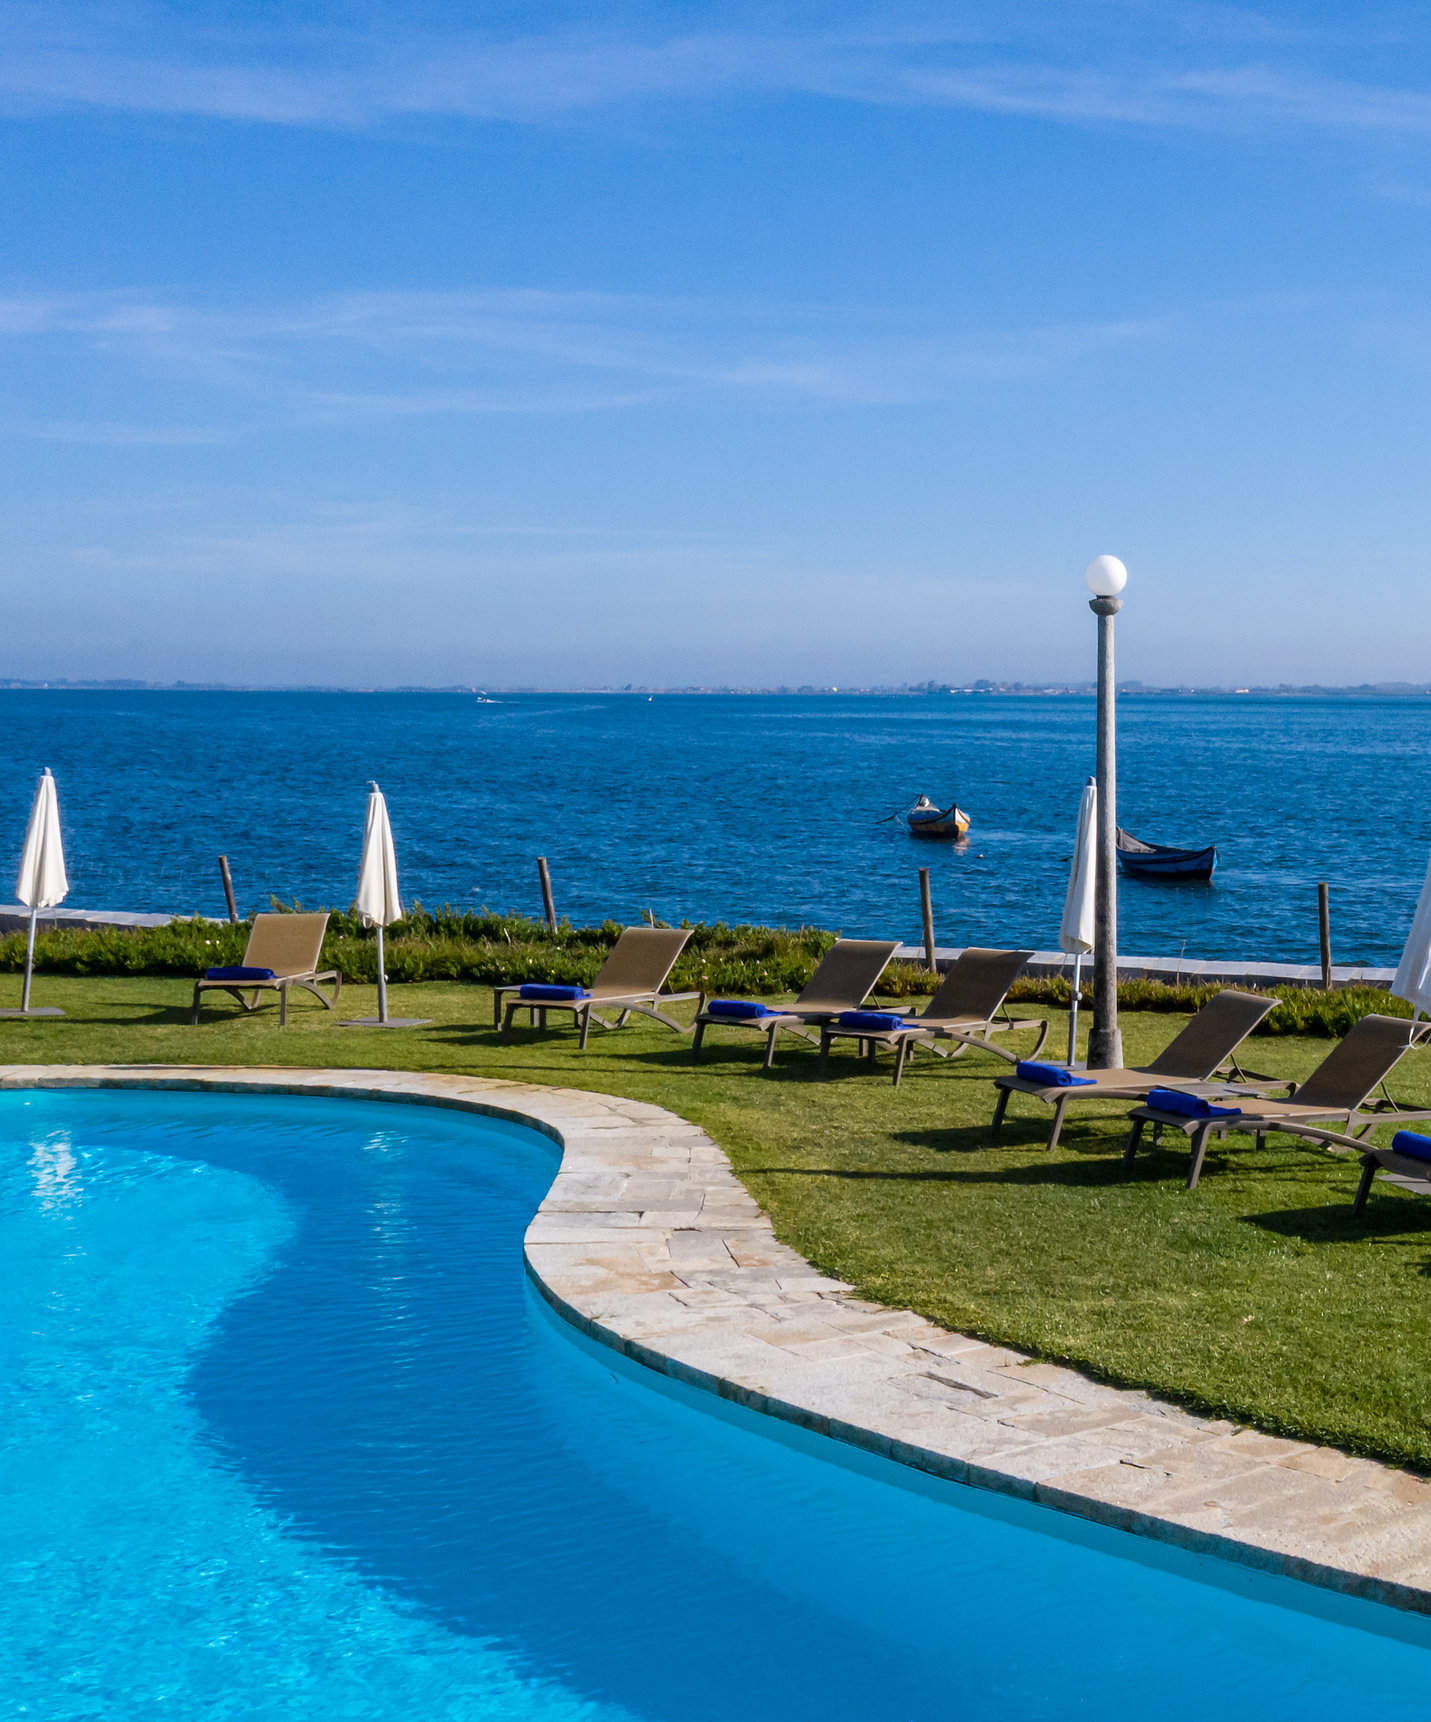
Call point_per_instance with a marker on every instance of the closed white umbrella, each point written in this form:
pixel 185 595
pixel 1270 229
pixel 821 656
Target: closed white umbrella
pixel 1413 975
pixel 42 882
pixel 377 903
pixel 1075 933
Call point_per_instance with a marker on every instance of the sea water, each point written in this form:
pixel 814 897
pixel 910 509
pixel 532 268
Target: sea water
pixel 285 1433
pixel 783 810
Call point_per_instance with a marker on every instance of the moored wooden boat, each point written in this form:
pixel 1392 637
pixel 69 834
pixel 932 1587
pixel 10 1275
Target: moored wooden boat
pixel 926 819
pixel 1160 861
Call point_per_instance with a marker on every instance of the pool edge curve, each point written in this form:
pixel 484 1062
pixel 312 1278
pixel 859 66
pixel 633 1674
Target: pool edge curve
pixel 648 1244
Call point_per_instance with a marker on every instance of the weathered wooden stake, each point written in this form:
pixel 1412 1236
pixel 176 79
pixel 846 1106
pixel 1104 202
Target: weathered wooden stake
pixel 1324 915
pixel 546 879
pixel 927 905
pixel 228 888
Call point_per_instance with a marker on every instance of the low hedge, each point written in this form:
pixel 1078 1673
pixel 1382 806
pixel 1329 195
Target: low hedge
pixel 490 950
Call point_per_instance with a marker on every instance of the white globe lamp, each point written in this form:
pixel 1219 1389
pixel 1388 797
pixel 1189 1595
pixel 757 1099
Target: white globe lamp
pixel 1105 576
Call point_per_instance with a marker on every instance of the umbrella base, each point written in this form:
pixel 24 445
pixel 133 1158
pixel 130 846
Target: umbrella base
pixel 392 1022
pixel 35 1010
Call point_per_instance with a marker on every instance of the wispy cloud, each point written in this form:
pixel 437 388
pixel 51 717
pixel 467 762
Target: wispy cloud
pixel 390 355
pixel 1097 63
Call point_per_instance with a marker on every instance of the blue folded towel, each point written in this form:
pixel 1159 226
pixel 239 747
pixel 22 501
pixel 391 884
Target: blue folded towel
pixel 1409 1143
pixel 1052 1075
pixel 737 1008
pixel 540 992
pixel 878 1021
pixel 239 973
pixel 1189 1105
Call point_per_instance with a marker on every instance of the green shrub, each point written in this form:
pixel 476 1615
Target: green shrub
pixel 492 950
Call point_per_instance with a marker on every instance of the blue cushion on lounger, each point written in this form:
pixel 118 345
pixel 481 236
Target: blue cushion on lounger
pixel 737 1008
pixel 879 1021
pixel 1051 1075
pixel 239 973
pixel 1189 1105
pixel 1409 1143
pixel 542 993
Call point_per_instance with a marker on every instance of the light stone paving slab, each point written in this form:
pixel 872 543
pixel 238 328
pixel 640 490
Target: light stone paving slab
pixel 649 1244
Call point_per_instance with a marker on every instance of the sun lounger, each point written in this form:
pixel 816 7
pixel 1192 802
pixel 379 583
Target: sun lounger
pixel 283 952
pixel 843 981
pixel 1406 1163
pixel 629 980
pixel 1191 1061
pixel 963 1010
pixel 1335 1093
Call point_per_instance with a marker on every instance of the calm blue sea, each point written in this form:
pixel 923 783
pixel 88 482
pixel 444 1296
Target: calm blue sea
pixel 741 809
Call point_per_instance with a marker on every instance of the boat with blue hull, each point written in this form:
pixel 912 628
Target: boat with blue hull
pixel 1160 861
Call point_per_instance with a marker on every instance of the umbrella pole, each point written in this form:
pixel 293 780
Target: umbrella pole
pixel 29 961
pixel 1073 1010
pixel 382 982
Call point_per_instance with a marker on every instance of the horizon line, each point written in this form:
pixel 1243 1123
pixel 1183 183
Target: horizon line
pixel 980 687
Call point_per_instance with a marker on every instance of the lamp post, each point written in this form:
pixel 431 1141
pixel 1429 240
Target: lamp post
pixel 1106 577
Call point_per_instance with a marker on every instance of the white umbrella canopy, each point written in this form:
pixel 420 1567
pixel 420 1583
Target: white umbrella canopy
pixel 1075 933
pixel 42 882
pixel 1413 976
pixel 377 902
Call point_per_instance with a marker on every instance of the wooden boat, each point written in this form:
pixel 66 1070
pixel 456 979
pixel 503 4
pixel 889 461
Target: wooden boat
pixel 1159 861
pixel 928 820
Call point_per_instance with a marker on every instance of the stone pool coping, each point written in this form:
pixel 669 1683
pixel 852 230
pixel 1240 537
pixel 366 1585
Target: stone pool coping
pixel 648 1243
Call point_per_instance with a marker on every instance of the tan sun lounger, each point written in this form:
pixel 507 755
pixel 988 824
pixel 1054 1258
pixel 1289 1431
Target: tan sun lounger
pixel 1191 1062
pixel 290 945
pixel 843 981
pixel 629 980
pixel 1336 1091
pixel 1402 1170
pixel 964 1009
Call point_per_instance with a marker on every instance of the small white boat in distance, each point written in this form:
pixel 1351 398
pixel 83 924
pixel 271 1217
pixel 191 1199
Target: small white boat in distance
pixel 926 819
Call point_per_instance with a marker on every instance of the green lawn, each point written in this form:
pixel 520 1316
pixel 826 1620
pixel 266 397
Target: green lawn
pixel 1256 1296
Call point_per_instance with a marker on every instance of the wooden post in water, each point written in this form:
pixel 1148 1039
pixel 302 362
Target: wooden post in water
pixel 228 888
pixel 1324 915
pixel 927 905
pixel 547 903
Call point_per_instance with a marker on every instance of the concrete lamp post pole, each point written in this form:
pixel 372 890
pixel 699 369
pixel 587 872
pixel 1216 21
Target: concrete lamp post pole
pixel 1106 577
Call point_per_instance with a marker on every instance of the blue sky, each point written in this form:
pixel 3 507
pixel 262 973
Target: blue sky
pixel 562 345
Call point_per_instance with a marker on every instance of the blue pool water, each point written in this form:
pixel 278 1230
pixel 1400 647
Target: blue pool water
pixel 763 809
pixel 286 1434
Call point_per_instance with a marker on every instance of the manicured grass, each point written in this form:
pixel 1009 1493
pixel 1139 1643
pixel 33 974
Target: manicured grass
pixel 1256 1296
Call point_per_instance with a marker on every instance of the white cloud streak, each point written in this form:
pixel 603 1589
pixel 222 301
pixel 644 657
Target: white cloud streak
pixel 1089 64
pixel 393 355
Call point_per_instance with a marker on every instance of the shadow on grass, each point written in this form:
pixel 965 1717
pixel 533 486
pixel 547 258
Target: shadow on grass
pixel 1101 1174
pixel 978 1139
pixel 1386 1219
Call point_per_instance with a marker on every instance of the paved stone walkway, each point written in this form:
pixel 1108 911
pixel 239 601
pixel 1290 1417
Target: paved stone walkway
pixel 649 1243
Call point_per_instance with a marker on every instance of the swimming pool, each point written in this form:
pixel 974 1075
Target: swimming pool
pixel 286 1433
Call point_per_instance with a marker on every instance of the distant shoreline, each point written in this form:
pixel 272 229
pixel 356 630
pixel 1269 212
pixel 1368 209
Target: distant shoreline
pixel 1084 690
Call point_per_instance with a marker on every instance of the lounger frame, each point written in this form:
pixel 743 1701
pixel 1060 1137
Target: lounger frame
pixel 290 945
pixel 845 978
pixel 967 1008
pixel 1200 1059
pixel 628 982
pixel 1337 1090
